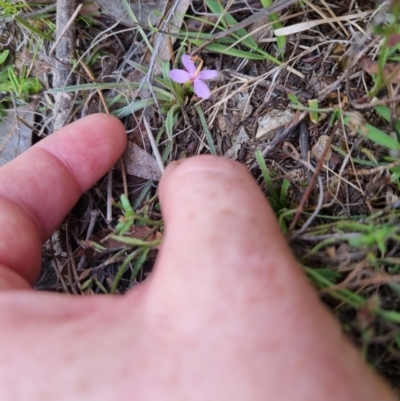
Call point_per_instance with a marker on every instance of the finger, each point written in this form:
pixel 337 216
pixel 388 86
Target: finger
pixel 38 188
pixel 47 180
pixel 221 234
pixel 216 221
pixel 228 287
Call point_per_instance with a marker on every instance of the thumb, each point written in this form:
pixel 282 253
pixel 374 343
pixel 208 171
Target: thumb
pixel 221 231
pixel 226 281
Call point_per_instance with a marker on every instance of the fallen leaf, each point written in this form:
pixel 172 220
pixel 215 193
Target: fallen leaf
pixel 268 123
pixel 391 71
pixel 243 105
pixel 226 123
pixel 144 233
pixel 90 9
pixel 140 164
pixel 102 238
pixel 242 138
pixel 319 148
pixel 15 136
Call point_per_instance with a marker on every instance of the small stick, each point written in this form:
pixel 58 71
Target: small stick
pixel 40 11
pixel 64 28
pixel 153 145
pixel 123 172
pixel 56 267
pixel 281 137
pixel 308 165
pixel 109 196
pixel 65 52
pixel 72 265
pixel 93 79
pixel 310 185
pixel 304 141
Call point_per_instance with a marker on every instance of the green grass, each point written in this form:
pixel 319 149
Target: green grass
pixel 278 193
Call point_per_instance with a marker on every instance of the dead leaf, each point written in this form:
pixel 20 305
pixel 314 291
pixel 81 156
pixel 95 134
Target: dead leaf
pixel 268 123
pixel 296 175
pixel 15 136
pixel 319 148
pixel 166 42
pixel 90 9
pixel 140 164
pixel 391 71
pixel 226 123
pixel 243 106
pixel 102 238
pixel 144 233
pixel 242 138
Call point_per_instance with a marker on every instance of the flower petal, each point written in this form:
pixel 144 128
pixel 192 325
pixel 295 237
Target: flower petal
pixel 208 74
pixel 201 89
pixel 188 64
pixel 180 76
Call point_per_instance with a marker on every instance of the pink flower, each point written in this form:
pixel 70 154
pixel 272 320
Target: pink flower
pixel 195 75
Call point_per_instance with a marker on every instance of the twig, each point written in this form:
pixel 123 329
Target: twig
pixel 57 267
pixel 93 219
pixel 310 186
pixel 377 169
pixel 62 30
pixel 262 83
pixel 122 163
pixel 123 173
pixel 304 141
pixel 71 264
pixel 93 79
pixel 309 221
pixel 40 11
pixel 153 145
pixel 64 53
pixel 374 103
pixel 109 196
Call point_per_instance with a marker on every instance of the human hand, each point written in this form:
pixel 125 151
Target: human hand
pixel 226 315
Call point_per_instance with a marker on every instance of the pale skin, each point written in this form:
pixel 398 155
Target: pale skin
pixel 226 315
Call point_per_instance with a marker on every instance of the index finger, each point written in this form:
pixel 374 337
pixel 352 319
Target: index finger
pixel 38 188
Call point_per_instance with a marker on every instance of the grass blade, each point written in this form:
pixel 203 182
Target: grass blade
pixel 281 40
pixel 207 132
pixel 268 180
